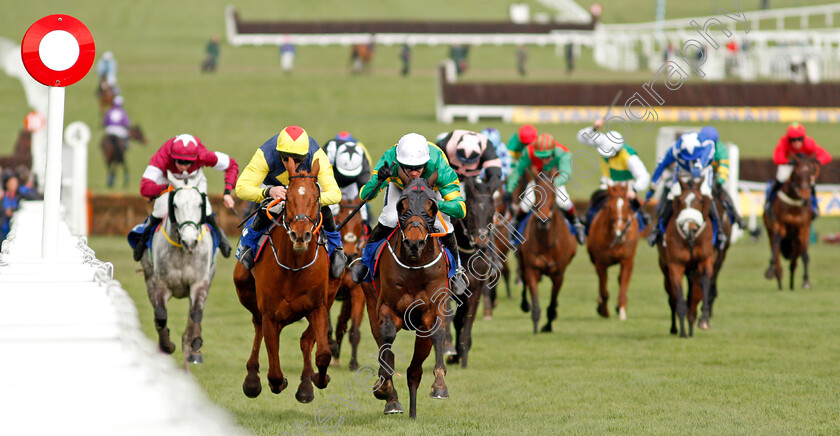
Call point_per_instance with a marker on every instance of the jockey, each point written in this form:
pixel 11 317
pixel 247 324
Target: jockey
pixel 183 156
pixel 418 158
pixel 469 155
pixel 116 123
pixel 545 155
pixel 351 166
pixel 720 163
pixel 266 178
pixel 694 158
pixel 502 152
pixel 621 164
pixel 795 141
pixel 517 143
pixel 106 69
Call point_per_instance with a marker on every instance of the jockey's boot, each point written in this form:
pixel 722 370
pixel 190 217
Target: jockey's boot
pixel 458 282
pixel 720 244
pixel 251 236
pixel 637 207
pixel 337 259
pixel 768 203
pixel 655 234
pixel 246 258
pixel 360 270
pixel 729 207
pixel 151 223
pixel 579 229
pixel 224 245
pixel 815 208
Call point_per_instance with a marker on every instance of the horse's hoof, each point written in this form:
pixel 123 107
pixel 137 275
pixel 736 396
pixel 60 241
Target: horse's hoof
pixel 546 328
pixel 452 359
pixel 770 273
pixel 304 395
pixel 321 381
pixel 393 407
pixel 449 349
pixel 602 310
pixel 525 306
pixel 703 324
pixel 335 362
pixel 333 348
pixel 195 358
pixel 275 388
pixel 252 387
pixel 673 331
pixel 806 285
pixel 488 318
pixel 196 343
pixel 439 393
pixel 167 348
pixel 354 365
pixel 622 314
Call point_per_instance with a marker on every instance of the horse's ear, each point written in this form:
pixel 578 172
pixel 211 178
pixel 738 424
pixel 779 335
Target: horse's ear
pixel 403 176
pixel 316 167
pixel 431 207
pixel 468 182
pixel 290 166
pixel 433 179
pixel 401 206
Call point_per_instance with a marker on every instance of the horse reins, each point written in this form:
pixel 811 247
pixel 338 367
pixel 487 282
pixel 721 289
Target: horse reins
pixel 285 223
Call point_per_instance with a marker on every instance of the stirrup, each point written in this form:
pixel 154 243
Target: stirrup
pixel 359 272
pixel 653 238
pixel 458 282
pixel 581 233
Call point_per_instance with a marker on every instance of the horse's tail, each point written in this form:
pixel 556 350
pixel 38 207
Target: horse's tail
pixel 786 247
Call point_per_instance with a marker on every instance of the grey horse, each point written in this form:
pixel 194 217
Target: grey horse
pixel 181 264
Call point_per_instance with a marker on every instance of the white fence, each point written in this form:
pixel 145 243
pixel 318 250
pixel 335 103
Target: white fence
pixel 74 360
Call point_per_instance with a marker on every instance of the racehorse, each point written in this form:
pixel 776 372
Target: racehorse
pixel 503 227
pixel 105 94
pixel 548 248
pixel 410 289
pixel 113 150
pixel 613 236
pixel 720 255
pixel 349 292
pixel 687 249
pixel 789 225
pixel 479 260
pixel 181 264
pixel 287 283
pixel 360 56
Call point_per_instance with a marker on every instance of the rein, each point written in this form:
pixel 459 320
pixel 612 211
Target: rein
pixel 428 265
pixel 316 226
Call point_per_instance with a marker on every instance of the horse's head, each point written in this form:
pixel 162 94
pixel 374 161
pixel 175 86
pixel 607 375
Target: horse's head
pixel 186 212
pixel 416 210
pixel 618 208
pixel 303 195
pixel 136 133
pixel 352 232
pixel 691 208
pixel 545 192
pixel 806 169
pixel 480 210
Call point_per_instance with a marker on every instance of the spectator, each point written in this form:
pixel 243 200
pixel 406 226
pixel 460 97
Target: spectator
pixel 26 188
pixel 11 199
pixel 521 57
pixel 106 70
pixel 405 57
pixel 287 55
pixel 458 53
pixel 211 56
pixel 570 58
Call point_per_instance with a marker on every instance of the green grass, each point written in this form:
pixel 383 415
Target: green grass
pixel 767 366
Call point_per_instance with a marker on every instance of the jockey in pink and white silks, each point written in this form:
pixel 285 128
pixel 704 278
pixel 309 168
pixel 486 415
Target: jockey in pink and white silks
pixel 184 156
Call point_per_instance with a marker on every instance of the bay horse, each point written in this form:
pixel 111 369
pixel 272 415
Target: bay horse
pixel 687 249
pixel 287 283
pixel 789 225
pixel 409 291
pixel 720 255
pixel 502 223
pixel 105 95
pixel 181 264
pixel 548 248
pixel 613 237
pixel 113 150
pixel 479 261
pixel 350 293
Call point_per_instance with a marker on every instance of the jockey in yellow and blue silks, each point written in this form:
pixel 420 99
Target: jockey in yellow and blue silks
pixel 266 178
pixel 418 158
pixel 621 164
pixel 692 157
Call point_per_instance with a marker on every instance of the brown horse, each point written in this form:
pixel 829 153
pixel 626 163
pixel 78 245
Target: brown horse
pixel 548 248
pixel 349 292
pixel 687 249
pixel 613 236
pixel 411 288
pixel 789 224
pixel 502 243
pixel 360 57
pixel 479 260
pixel 113 150
pixel 720 255
pixel 289 282
pixel 105 94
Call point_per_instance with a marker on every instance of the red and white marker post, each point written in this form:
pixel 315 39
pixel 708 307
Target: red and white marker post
pixel 57 51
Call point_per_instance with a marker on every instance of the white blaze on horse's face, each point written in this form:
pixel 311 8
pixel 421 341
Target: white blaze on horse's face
pixel 301 191
pixel 620 222
pixel 188 205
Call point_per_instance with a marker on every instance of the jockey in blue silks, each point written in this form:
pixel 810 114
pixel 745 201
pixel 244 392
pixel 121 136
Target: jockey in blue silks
pixel 693 154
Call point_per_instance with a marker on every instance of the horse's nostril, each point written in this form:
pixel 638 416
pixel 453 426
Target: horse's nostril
pixel 307 236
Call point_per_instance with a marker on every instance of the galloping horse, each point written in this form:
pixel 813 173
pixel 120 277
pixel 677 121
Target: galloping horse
pixel 687 249
pixel 113 150
pixel 105 94
pixel 548 248
pixel 720 255
pixel 613 236
pixel 350 292
pixel 479 261
pixel 289 282
pixel 789 225
pixel 503 244
pixel 412 285
pixel 181 264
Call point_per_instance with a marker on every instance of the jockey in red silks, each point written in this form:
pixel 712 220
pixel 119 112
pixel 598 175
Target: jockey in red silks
pixel 184 156
pixel 794 142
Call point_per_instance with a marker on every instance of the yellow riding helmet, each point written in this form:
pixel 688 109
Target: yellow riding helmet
pixel 293 140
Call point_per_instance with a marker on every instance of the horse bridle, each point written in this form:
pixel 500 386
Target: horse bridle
pixel 171 209
pixel 283 217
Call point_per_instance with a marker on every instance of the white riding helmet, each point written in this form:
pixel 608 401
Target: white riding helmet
pixel 605 146
pixel 349 159
pixel 413 150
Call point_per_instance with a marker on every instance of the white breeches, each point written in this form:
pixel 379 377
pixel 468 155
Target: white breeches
pixel 533 196
pixel 705 188
pixel 783 173
pixel 389 217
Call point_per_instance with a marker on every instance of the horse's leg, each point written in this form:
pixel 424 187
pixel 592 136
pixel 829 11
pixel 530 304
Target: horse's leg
pixel 340 330
pixel 125 174
pixel 322 351
pixel 465 341
pixel 532 278
pixel 439 389
pixel 794 257
pixel 422 347
pixel 246 291
pixel 525 306
pixel 386 390
pixel 111 174
pixel 675 274
pixel 623 285
pixel 159 295
pixel 373 314
pixel 305 393
pixel 357 311
pixel 603 292
pixel 551 312
pixel 806 284
pixel 448 346
pixel 506 275
pixel 458 320
pixel 489 298
pixel 705 287
pixel 271 332
pixel 775 268
pixel 191 341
